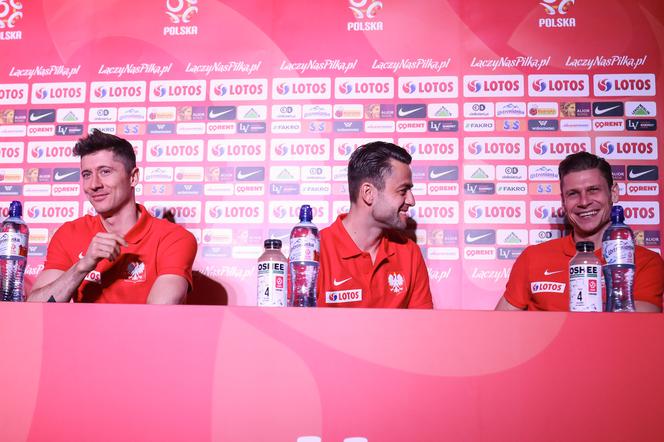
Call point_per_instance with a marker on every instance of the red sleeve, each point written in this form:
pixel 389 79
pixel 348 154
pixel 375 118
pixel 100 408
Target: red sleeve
pixel 517 289
pixel 649 278
pixel 57 257
pixel 421 295
pixel 177 251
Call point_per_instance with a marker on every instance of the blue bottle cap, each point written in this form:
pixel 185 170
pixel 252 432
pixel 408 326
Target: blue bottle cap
pixel 306 214
pixel 15 209
pixel 617 214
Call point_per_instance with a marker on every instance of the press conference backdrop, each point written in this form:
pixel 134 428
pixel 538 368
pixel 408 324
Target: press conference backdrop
pixel 241 111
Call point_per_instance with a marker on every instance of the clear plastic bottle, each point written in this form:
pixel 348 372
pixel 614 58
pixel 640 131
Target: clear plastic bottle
pixel 304 260
pixel 618 251
pixel 13 253
pixel 585 285
pixel 272 276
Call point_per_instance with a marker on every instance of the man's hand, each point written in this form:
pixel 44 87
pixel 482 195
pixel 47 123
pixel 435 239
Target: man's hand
pixel 102 246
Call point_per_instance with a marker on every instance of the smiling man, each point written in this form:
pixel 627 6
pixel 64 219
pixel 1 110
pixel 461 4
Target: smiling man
pixel 539 279
pixel 366 261
pixel 123 254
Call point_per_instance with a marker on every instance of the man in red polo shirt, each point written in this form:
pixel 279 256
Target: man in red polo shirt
pixel 539 277
pixel 365 259
pixel 123 254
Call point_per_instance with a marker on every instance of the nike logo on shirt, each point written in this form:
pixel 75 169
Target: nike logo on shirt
pixel 338 283
pixel 548 273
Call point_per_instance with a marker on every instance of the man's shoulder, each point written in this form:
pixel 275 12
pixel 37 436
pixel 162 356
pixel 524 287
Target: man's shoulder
pixel 647 256
pixel 77 226
pixel 164 228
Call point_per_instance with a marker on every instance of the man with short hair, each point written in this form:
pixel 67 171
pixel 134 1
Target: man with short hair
pixel 366 260
pixel 539 277
pixel 123 254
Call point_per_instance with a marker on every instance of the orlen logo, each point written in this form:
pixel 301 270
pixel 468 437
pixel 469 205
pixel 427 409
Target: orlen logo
pixel 495 148
pixel 557 148
pixel 627 148
pixel 428 87
pixel 234 212
pixel 50 152
pixel 236 150
pixel 43 93
pixel 175 150
pixel 167 90
pixel 12 152
pixel 364 87
pixel 301 88
pixel 558 85
pixel 238 89
pixel 493 86
pixel 546 212
pixel 431 148
pixel 117 91
pixel 183 211
pixel 614 85
pixel 300 149
pixel 50 211
pixel 641 212
pixel 13 93
pixel 495 212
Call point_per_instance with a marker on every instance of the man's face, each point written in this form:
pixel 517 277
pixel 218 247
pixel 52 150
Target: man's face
pixel 390 207
pixel 106 183
pixel 587 201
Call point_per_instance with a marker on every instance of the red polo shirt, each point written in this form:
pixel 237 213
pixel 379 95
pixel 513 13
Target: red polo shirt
pixel 348 278
pixel 156 247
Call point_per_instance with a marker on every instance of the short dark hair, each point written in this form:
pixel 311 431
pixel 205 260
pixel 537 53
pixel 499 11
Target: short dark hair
pixel 98 140
pixel 580 161
pixel 371 162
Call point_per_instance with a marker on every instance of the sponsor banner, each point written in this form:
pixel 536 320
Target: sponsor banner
pixel 11 175
pixel 38 235
pixel 479 125
pixel 511 173
pixel 492 212
pixel 55 212
pixel 288 211
pixel 479 188
pixel 608 109
pixel 183 211
pixel 382 126
pixel 316 111
pixel 538 236
pixel 443 253
pixel 479 236
pixel 236 150
pixel 175 150
pixel 70 115
pixel 557 148
pixel 302 89
pixel 316 189
pixel 609 124
pixel 435 212
pixel 621 85
pixel 13 94
pixel 348 111
pixel 286 112
pixel 177 90
pixel 442 110
pixel 643 189
pixel 238 89
pixel 645 124
pixel 188 174
pixel 551 189
pixel 626 148
pixel 58 93
pixel 284 173
pixel 41 130
pixel 543 125
pixel 580 125
pixel 511 189
pixel 300 149
pixel 363 87
pixel 494 148
pixel 479 172
pixel 641 212
pixel 316 173
pixel 218 189
pixel 37 190
pixel 640 109
pixel 442 149
pixel 41 116
pixel 509 237
pixel 250 189
pixel 493 86
pixel 478 110
pixel 12 152
pixel 428 87
pixel 442 188
pixel 642 173
pixel 66 189
pixel 218 236
pixel 547 212
pixel 117 91
pixel 542 109
pixel 66 175
pixel 412 126
pixel 543 173
pixel 221 128
pixel 252 113
pixel 558 85
pixel 161 113
pixel 51 152
pixel 15 130
pixel 132 114
pixel 510 109
pixel 197 128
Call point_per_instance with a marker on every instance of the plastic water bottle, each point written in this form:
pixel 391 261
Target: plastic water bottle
pixel 618 251
pixel 585 285
pixel 13 253
pixel 272 276
pixel 303 260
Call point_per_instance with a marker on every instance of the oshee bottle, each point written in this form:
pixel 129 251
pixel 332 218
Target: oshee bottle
pixel 618 251
pixel 13 253
pixel 585 285
pixel 272 276
pixel 303 260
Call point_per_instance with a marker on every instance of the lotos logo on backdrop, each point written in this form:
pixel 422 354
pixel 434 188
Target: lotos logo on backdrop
pixel 234 212
pixel 642 148
pixel 546 212
pixel 614 85
pixel 492 212
pixel 50 211
pixel 364 87
pixel 241 89
pixel 299 88
pixel 50 152
pixel 73 92
pixel 181 11
pixel 183 211
pixel 117 91
pixel 493 86
pixel 178 150
pixel 171 90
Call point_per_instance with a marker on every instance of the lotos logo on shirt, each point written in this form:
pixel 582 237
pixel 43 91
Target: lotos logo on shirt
pixel 547 287
pixel 343 296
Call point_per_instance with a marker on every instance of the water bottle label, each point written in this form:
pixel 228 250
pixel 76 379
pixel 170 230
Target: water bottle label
pixel 13 244
pixel 585 288
pixel 272 287
pixel 304 248
pixel 618 251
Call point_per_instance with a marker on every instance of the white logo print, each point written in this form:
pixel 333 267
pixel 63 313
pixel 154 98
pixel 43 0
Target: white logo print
pixel 599 111
pixel 436 175
pixel 548 273
pixel 34 117
pixel 214 115
pixel 395 280
pixel 243 175
pixel 59 177
pixel 633 174
pixel 405 113
pixel 471 238
pixel 338 283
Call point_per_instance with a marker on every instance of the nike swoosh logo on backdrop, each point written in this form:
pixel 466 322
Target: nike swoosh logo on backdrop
pixel 435 175
pixel 59 177
pixel 471 238
pixel 633 175
pixel 34 117
pixel 599 111
pixel 403 113
pixel 242 175
pixel 219 114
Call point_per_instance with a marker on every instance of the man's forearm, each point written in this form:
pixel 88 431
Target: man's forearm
pixel 62 288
